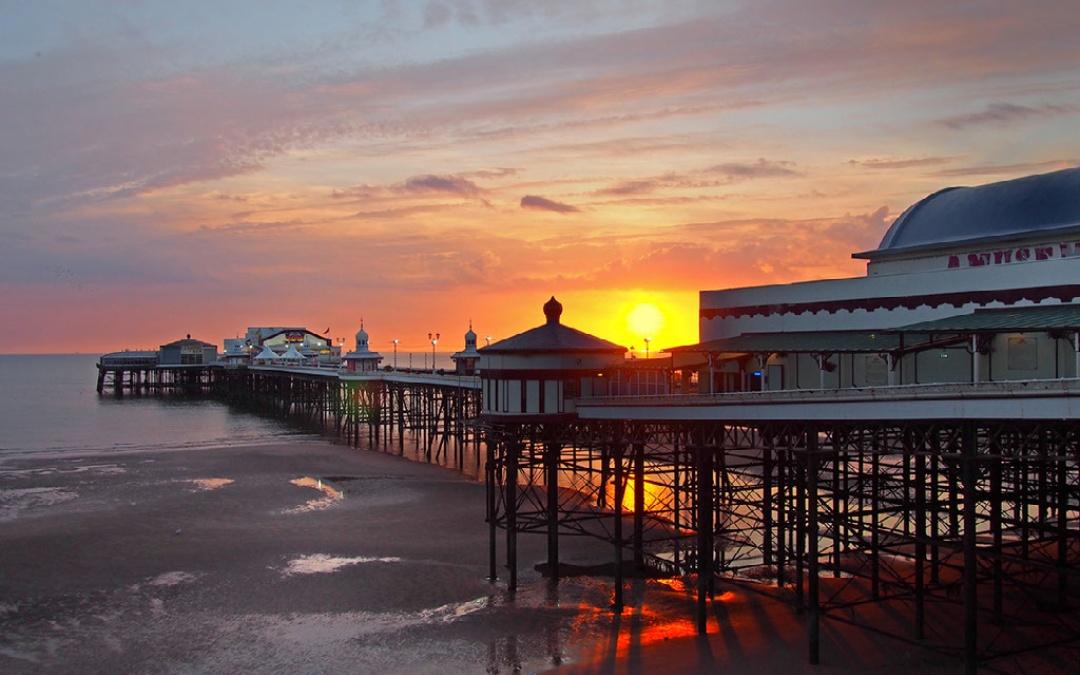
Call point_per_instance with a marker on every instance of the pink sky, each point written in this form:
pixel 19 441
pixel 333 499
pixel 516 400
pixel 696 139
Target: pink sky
pixel 168 170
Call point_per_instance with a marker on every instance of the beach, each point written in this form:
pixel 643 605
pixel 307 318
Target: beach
pixel 306 556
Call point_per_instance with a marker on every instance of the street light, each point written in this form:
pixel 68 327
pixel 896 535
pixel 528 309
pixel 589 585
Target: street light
pixel 434 337
pixel 395 341
pixel 647 341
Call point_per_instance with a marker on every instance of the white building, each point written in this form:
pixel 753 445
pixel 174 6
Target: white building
pixel 362 359
pixel 957 252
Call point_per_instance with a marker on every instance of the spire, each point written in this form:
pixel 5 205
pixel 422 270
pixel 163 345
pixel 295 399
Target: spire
pixel 553 310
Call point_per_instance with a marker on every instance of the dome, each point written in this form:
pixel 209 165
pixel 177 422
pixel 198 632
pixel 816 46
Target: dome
pixel 553 310
pixel 1020 207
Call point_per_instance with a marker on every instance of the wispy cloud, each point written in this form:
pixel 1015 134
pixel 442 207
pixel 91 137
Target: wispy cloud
pixel 1001 114
pixel 1009 169
pixel 762 168
pixel 906 163
pixel 544 204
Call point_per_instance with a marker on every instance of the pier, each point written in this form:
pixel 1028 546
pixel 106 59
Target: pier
pixel 945 516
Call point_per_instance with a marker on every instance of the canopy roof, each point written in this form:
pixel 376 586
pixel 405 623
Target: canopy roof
pixel 266 354
pixel 1004 320
pixel 1048 202
pixel 291 354
pixel 553 337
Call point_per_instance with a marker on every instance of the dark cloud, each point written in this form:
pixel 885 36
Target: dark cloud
pixel 452 185
pixel 1004 114
pixel 631 187
pixel 545 204
pixel 763 168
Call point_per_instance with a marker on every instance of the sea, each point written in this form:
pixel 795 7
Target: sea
pixel 49 407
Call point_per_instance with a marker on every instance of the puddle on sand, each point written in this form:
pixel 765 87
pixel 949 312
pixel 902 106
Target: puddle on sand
pixel 205 484
pixel 330 496
pixel 172 579
pixel 320 563
pixel 14 501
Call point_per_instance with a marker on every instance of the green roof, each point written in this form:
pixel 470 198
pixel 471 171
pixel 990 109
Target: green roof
pixel 1005 320
pixel 806 342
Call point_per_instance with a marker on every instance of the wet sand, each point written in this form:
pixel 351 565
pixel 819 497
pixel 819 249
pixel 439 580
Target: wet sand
pixel 313 557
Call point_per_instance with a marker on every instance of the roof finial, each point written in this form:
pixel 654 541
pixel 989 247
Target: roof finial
pixel 552 310
pixel 470 323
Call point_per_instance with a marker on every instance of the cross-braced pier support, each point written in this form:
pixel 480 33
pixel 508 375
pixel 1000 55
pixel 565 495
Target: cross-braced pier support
pixel 958 523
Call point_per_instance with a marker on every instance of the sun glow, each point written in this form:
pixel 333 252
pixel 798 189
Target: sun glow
pixel 646 320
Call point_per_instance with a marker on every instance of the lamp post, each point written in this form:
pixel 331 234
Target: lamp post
pixel 395 341
pixel 434 337
pixel 488 338
pixel 647 341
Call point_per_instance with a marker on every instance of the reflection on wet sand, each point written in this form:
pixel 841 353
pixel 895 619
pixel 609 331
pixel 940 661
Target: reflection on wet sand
pixel 330 496
pixel 205 484
pixel 321 563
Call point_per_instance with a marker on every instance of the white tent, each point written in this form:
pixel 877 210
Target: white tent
pixel 266 355
pixel 292 355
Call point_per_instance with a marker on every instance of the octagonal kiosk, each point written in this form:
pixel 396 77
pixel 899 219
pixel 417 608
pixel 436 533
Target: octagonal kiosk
pixel 529 384
pixel 362 359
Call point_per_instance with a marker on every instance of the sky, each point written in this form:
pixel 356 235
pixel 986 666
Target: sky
pixel 199 167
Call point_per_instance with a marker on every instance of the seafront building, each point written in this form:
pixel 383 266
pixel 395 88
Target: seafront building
pixel 970 284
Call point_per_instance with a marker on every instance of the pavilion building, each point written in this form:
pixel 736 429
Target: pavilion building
pixel 362 359
pixel 539 373
pixel 466 360
pixel 969 284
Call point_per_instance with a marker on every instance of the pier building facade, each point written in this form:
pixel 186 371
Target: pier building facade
pixel 361 359
pixel 467 360
pixel 187 352
pixel 959 252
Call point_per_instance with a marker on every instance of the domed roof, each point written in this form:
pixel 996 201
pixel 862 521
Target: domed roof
pixel 1007 209
pixel 553 337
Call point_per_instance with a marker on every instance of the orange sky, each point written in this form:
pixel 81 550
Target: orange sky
pixel 168 170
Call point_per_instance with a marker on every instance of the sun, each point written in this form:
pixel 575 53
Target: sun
pixel 645 320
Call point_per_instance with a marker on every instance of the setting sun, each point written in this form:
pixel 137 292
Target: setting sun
pixel 646 320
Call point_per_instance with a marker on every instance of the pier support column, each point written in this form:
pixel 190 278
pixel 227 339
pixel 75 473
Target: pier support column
pixel 812 544
pixel 639 505
pixel 620 487
pixel 551 468
pixel 920 536
pixel 704 532
pixel 968 469
pixel 492 489
pixel 513 449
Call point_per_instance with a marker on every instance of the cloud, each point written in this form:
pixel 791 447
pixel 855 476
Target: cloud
pixel 901 163
pixel 544 204
pixel 452 185
pixel 631 187
pixel 762 168
pixel 1002 114
pixel 1018 169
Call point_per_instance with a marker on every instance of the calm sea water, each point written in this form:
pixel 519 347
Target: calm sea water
pixel 48 404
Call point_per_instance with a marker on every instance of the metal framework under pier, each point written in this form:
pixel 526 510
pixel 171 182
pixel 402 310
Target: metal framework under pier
pixel 428 419
pixel 907 528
